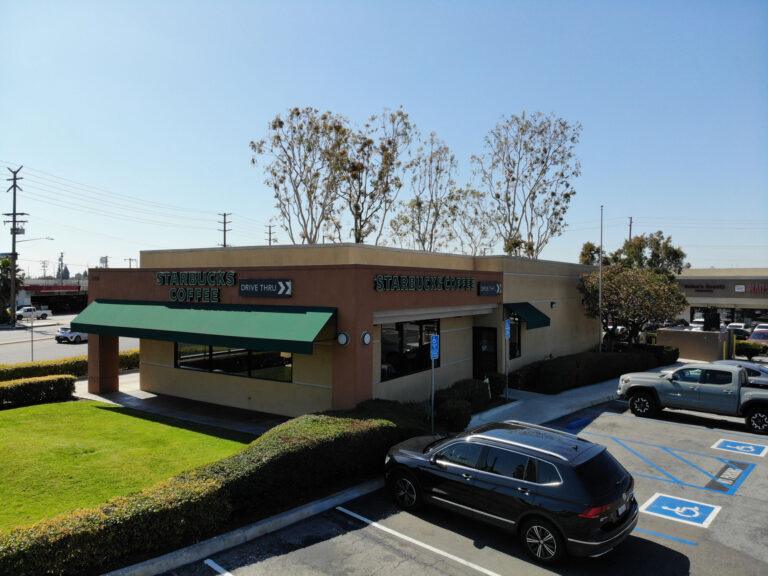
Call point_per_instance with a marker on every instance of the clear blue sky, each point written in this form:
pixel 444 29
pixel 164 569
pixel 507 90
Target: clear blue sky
pixel 157 101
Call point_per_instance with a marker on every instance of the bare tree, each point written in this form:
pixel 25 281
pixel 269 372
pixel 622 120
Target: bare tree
pixel 302 151
pixel 370 164
pixel 423 221
pixel 472 227
pixel 527 167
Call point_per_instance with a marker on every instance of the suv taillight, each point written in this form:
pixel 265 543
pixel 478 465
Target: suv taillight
pixel 594 511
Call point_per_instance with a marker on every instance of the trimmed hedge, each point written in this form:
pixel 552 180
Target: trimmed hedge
pixel 454 414
pixel 567 372
pixel 292 463
pixel 38 390
pixel 498 384
pixel 748 349
pixel 75 365
pixel 665 355
pixel 476 392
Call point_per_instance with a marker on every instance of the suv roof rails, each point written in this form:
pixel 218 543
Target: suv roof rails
pixel 520 445
pixel 545 428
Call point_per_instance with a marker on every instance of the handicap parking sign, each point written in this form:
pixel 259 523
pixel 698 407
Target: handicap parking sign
pixel 741 447
pixel 680 510
pixel 434 347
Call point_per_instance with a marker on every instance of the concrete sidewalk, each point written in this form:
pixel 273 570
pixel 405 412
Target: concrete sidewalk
pixel 540 408
pixel 131 396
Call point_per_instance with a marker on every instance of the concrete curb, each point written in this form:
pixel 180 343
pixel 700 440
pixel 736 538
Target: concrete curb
pixel 26 340
pixel 207 548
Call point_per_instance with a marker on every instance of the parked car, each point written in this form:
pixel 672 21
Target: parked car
pixel 740 333
pixel 737 325
pixel 26 312
pixel 560 493
pixel 713 388
pixel 757 373
pixel 759 337
pixel 65 334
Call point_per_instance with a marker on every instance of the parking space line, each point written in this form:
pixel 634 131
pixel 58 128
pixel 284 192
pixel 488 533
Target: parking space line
pixel 461 561
pixel 691 464
pixel 214 566
pixel 665 536
pixel 648 461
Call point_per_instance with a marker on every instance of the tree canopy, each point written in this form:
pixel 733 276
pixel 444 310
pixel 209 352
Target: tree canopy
pixel 653 251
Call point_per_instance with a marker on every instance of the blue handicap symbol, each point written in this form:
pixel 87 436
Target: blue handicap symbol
pixel 741 447
pixel 681 510
pixel 434 349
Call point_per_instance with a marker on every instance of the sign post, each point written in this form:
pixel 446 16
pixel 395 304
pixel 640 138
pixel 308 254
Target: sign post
pixel 505 351
pixel 31 337
pixel 434 354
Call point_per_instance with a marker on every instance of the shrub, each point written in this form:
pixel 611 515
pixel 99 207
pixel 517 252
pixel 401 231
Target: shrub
pixel 567 372
pixel 294 462
pixel 476 392
pixel 498 384
pixel 75 365
pixel 38 390
pixel 454 414
pixel 665 355
pixel 527 377
pixel 748 349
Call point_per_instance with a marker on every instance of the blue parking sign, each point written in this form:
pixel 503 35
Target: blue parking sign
pixel 507 329
pixel 434 348
pixel 740 447
pixel 680 510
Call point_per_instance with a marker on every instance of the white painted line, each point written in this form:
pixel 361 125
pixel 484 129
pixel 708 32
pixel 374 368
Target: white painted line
pixel 705 524
pixel 416 542
pixel 743 450
pixel 211 564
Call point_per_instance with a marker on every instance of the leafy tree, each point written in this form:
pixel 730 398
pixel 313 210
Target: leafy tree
pixel 423 221
pixel 371 163
pixel 590 254
pixel 65 273
pixel 631 298
pixel 302 154
pixel 527 168
pixel 472 229
pixel 5 281
pixel 654 251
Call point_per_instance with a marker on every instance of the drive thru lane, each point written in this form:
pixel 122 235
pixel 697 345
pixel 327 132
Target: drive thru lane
pixel 698 527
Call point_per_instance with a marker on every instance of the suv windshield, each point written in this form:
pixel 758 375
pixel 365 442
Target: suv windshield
pixel 600 474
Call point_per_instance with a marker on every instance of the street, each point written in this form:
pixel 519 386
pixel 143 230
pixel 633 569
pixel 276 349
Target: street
pixel 721 526
pixel 16 345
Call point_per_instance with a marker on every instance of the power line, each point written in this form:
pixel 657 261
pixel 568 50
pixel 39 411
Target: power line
pixel 224 228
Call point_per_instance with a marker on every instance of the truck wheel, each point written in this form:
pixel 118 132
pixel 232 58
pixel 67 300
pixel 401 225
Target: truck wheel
pixel 643 404
pixel 757 420
pixel 43 316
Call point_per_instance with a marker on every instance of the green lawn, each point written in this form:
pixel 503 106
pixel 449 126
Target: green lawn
pixel 59 457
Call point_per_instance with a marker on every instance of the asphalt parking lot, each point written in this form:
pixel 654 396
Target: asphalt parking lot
pixel 700 481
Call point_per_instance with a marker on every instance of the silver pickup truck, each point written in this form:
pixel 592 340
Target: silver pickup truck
pixel 715 388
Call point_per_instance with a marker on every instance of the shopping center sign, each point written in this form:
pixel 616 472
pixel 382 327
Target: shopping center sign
pixel 196 285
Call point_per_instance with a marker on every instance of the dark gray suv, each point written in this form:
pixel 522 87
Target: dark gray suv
pixel 560 493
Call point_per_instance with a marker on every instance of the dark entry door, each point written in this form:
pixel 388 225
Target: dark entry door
pixel 483 351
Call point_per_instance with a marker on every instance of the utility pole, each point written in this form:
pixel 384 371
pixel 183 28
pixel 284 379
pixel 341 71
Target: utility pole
pixel 224 228
pixel 104 262
pixel 14 231
pixel 600 288
pixel 60 267
pixel 630 227
pixel 271 239
pixel 44 266
pixel 130 261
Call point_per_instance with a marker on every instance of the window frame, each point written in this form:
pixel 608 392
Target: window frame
pixel 210 370
pixel 398 326
pixel 515 319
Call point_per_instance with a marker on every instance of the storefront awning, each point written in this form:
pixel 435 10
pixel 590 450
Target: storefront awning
pixel 534 318
pixel 279 328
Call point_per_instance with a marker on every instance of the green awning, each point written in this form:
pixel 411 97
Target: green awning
pixel 534 318
pixel 278 328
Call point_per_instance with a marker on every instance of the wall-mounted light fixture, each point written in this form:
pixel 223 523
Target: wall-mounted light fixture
pixel 342 338
pixel 366 337
pixel 553 304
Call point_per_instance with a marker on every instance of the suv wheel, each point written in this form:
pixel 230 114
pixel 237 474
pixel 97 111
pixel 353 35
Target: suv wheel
pixel 405 491
pixel 643 404
pixel 757 420
pixel 542 541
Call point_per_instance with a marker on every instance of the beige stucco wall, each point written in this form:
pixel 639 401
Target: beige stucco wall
pixel 309 392
pixel 570 330
pixel 455 364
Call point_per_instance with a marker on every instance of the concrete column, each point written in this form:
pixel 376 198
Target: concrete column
pixel 103 364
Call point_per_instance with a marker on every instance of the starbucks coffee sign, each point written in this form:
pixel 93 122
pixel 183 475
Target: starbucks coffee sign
pixel 400 283
pixel 196 285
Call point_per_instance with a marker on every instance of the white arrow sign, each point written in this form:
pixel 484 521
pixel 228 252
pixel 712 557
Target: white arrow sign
pixel 286 288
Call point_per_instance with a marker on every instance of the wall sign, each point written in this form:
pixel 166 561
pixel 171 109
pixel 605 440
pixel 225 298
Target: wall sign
pixel 195 285
pixel 488 288
pixel 400 283
pixel 267 288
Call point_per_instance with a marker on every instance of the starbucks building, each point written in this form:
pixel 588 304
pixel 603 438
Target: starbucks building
pixel 295 329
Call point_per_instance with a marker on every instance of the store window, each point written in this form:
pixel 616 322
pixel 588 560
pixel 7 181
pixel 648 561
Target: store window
pixel 515 341
pixel 405 348
pixel 235 361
